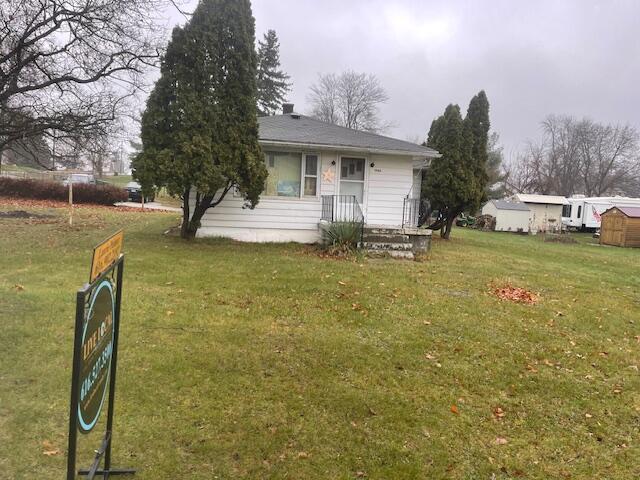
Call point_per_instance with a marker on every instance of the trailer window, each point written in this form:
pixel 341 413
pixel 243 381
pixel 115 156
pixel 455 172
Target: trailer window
pixel 566 210
pixel 579 211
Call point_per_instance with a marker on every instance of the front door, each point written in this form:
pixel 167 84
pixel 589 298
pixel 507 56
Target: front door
pixel 352 177
pixel 351 184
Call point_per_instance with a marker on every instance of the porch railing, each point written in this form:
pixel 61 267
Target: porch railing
pixel 410 212
pixel 341 208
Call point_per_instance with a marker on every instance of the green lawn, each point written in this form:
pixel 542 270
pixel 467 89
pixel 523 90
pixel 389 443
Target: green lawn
pixel 119 180
pixel 267 361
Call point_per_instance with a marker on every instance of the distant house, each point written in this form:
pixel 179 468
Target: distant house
pixel 322 173
pixel 620 226
pixel 546 211
pixel 510 216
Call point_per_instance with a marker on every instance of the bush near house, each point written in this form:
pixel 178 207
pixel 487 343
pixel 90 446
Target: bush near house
pixel 45 190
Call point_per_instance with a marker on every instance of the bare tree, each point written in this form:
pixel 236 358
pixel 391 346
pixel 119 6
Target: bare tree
pixel 579 156
pixel 350 99
pixel 68 67
pixel 609 157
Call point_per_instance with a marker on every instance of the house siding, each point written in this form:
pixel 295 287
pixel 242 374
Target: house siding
pixel 277 219
pixel 508 220
pixel 390 181
pixel 544 216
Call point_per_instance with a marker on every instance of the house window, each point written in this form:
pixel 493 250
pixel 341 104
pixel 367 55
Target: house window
pixel 288 172
pixel 284 174
pixel 352 177
pixel 310 175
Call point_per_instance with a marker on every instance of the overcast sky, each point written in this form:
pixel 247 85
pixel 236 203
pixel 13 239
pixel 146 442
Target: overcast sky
pixel 532 58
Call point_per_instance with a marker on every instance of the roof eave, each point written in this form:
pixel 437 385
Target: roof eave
pixel 348 148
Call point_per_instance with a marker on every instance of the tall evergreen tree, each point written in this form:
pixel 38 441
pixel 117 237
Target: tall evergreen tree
pixel 200 129
pixel 456 181
pixel 478 124
pixel 496 176
pixel 273 84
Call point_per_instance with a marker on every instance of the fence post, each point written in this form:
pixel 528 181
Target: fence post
pixel 70 202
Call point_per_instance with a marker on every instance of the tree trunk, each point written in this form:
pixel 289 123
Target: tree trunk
pixel 191 223
pixel 446 229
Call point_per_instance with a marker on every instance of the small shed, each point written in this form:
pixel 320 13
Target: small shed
pixel 510 216
pixel 620 226
pixel 546 211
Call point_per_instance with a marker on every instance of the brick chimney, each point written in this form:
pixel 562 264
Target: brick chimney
pixel 287 108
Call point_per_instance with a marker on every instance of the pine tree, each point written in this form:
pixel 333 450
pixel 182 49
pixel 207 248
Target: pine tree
pixel 456 181
pixel 273 84
pixel 200 129
pixel 495 187
pixel 478 124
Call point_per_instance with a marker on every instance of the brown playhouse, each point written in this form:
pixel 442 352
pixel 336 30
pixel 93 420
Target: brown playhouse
pixel 620 226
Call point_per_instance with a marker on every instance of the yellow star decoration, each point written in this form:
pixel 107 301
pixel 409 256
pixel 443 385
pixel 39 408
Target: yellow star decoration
pixel 328 175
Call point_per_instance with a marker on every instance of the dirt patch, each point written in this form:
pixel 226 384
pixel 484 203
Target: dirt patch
pixel 559 238
pixel 515 294
pixel 24 214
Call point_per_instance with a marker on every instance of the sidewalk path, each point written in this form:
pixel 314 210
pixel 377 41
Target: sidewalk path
pixel 150 206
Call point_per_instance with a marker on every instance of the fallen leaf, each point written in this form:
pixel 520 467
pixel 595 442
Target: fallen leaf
pixel 454 409
pixel 588 415
pixel 498 413
pixel 303 455
pixel 360 474
pixel 428 356
pixel 18 287
pixel 340 282
pixel 50 449
pixel 169 313
pixel 501 441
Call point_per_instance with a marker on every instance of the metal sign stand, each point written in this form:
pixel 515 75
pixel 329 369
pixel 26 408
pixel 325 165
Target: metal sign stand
pixel 105 448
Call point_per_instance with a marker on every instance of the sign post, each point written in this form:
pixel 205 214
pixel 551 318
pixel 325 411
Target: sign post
pixel 95 355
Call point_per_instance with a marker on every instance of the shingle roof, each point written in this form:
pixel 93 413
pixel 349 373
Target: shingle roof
pixel 507 205
pixel 303 130
pixel 633 212
pixel 546 199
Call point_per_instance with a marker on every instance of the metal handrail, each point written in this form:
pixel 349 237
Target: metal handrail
pixel 341 208
pixel 410 212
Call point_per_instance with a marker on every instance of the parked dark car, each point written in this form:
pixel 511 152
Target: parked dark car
pixel 134 190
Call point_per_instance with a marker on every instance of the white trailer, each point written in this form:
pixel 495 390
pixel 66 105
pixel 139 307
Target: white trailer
pixel 583 213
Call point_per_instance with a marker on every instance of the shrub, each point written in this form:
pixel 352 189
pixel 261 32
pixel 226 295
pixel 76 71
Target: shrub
pixel 46 190
pixel 343 237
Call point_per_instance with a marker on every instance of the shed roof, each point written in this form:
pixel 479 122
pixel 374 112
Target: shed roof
pixel 547 199
pixel 295 129
pixel 632 212
pixel 510 205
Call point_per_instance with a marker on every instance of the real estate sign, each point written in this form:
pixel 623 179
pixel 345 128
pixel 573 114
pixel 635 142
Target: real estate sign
pixel 95 353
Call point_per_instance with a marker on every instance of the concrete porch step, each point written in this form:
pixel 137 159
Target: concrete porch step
pixel 385 237
pixel 405 254
pixel 386 246
pixel 382 230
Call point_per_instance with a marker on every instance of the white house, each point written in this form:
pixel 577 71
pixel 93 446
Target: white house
pixel 546 211
pixel 319 172
pixel 510 216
